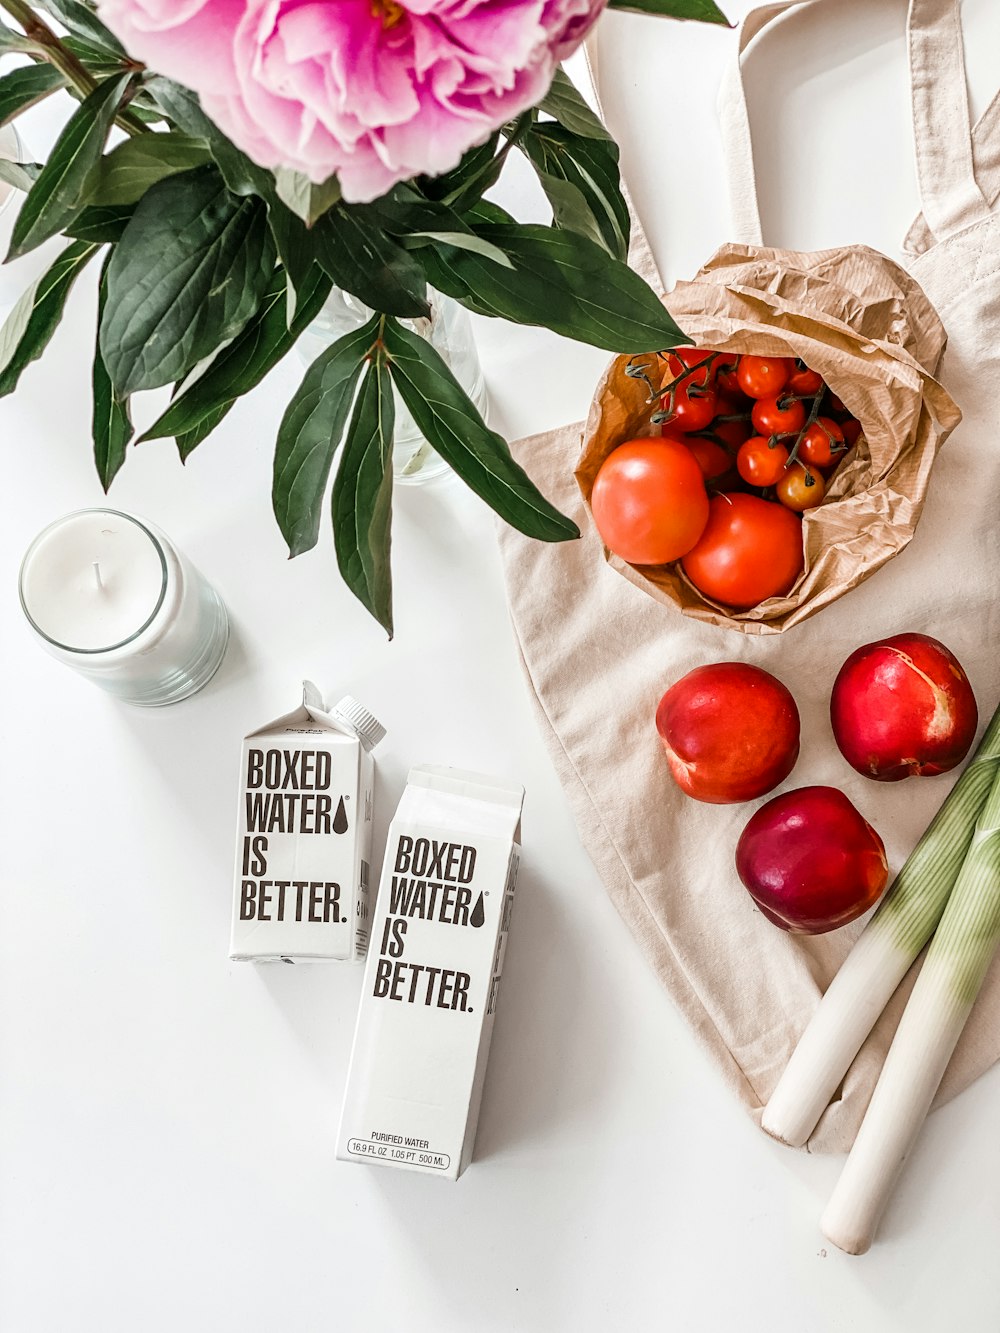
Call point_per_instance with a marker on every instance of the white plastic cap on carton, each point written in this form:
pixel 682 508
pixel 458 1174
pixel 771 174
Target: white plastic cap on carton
pixel 370 730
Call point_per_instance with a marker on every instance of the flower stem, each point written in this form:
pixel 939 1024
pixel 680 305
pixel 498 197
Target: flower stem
pixel 63 59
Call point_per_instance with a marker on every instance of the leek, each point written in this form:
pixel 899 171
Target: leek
pixel 882 955
pixel 953 973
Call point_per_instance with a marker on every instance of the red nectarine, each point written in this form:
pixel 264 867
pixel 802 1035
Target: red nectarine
pixel 903 707
pixel 730 732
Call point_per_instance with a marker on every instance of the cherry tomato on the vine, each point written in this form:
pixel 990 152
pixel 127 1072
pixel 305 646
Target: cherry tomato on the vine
pixel 732 433
pixel 759 464
pixel 690 408
pixel 751 549
pixel 649 501
pixel 726 375
pixel 778 416
pixel 822 443
pixel 764 376
pixel 801 488
pixel 852 431
pixel 835 403
pixel 712 458
pixel 805 381
pixel 680 359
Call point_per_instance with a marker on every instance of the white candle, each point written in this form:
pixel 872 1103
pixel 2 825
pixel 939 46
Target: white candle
pixel 111 596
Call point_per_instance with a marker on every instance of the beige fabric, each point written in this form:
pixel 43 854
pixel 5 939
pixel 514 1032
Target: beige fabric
pixel 598 653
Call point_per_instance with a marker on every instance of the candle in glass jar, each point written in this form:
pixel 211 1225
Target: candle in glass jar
pixel 111 596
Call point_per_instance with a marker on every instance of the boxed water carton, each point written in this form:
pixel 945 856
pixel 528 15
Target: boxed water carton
pixel 305 831
pixel 432 979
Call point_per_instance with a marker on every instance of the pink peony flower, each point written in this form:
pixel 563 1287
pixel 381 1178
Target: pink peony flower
pixel 375 91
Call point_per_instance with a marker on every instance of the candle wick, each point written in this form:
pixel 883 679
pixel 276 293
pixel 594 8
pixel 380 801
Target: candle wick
pixel 97 575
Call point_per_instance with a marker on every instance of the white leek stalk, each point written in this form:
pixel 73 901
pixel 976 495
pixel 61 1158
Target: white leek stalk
pixel 882 955
pixel 950 979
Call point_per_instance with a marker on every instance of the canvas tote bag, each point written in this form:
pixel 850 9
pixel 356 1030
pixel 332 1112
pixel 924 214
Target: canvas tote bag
pixel 596 665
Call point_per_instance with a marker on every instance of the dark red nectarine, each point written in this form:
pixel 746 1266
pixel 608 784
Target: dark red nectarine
pixel 730 732
pixel 810 861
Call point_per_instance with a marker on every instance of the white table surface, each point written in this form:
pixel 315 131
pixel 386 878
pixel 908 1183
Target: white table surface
pixel 167 1117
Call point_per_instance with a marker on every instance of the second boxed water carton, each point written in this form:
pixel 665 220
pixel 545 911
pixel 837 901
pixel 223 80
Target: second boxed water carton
pixel 432 979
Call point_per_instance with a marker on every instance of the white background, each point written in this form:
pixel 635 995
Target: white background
pixel 167 1118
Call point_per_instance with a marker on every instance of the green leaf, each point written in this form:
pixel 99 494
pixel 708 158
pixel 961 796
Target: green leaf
pixel 103 225
pixel 591 167
pixel 24 87
pixel 567 105
pixel 305 199
pixel 34 319
pixel 363 260
pixel 12 43
pixel 189 272
pixel 310 432
pixel 99 61
pixel 22 175
pixel 81 20
pixel 129 170
pixel 561 281
pixel 293 239
pixel 112 424
pixel 449 421
pixel 183 108
pixel 61 189
pixel 461 240
pixel 189 441
pixel 414 220
pixel 296 247
pixel 362 495
pixel 703 10
pixel 570 209
pixel 473 168
pixel 243 364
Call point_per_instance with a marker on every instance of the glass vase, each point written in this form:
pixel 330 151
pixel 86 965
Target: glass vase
pixel 449 331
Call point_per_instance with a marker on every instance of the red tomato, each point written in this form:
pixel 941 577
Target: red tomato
pixel 689 409
pixel 852 431
pixel 726 374
pixel 732 433
pixel 751 549
pixel 778 416
pixel 710 457
pixel 805 381
pixel 801 488
pixel 649 501
pixel 822 444
pixel 764 376
pixel 835 404
pixel 680 359
pixel 759 464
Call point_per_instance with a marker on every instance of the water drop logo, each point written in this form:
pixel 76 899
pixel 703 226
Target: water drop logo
pixel 340 818
pixel 478 915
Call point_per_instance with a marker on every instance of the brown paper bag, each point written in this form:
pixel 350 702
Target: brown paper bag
pixel 866 326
